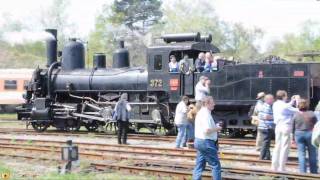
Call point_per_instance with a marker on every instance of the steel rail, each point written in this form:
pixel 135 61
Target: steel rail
pixel 150 151
pixel 174 173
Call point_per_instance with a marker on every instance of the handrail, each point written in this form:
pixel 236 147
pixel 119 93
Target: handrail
pixel 312 90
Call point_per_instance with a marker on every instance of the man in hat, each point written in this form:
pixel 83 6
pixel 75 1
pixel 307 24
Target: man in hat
pixel 202 90
pixel 255 119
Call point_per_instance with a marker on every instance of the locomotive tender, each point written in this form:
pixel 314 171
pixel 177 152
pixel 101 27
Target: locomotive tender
pixel 67 95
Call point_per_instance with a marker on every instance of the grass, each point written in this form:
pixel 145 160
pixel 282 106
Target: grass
pixel 5 119
pixel 5 172
pixel 95 176
pixel 8 116
pixel 13 125
pixel 83 174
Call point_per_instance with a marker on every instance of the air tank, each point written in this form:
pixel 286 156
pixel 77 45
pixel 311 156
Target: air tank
pixel 51 46
pixel 121 57
pixel 73 55
pixel 99 60
pixel 168 38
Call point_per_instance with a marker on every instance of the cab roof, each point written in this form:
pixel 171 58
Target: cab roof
pixel 183 46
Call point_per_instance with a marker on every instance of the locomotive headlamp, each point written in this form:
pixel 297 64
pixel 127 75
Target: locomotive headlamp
pixel 69 152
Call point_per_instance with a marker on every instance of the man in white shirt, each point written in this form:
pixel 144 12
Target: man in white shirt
pixel 202 89
pixel 282 115
pixel 181 122
pixel 206 135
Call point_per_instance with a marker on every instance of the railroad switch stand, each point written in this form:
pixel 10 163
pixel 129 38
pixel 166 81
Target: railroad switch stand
pixel 69 154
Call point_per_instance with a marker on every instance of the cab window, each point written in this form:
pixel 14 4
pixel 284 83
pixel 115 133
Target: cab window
pixel 157 62
pixel 10 84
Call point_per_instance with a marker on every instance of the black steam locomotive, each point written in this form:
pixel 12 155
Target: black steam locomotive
pixel 67 95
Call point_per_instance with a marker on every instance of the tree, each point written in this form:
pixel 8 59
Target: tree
pixel 137 15
pixel 242 42
pixel 127 20
pixel 177 17
pixel 102 39
pixel 232 39
pixel 308 39
pixel 56 16
pixel 182 17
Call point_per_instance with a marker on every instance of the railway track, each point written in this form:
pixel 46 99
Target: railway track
pixel 229 173
pixel 154 162
pixel 146 137
pixel 141 151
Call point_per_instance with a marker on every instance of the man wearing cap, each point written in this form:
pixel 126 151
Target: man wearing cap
pixel 202 90
pixel 255 119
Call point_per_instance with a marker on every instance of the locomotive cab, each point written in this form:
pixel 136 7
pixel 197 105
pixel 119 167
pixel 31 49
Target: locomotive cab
pixel 182 82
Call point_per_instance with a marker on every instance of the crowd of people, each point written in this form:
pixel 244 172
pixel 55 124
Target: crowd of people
pixel 196 124
pixel 292 123
pixel 206 62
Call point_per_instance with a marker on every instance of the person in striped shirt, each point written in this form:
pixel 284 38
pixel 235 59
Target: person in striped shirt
pixel 265 126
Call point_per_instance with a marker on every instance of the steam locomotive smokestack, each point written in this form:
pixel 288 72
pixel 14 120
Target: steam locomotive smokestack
pixel 51 44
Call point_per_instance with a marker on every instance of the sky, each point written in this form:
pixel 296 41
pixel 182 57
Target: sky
pixel 275 17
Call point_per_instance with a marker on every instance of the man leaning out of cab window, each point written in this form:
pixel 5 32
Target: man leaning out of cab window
pixel 208 61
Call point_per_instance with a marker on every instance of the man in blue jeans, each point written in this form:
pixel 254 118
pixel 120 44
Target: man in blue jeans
pixel 181 122
pixel 206 135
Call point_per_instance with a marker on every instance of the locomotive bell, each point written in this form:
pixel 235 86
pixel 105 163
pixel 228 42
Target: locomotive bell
pixel 121 57
pixel 73 55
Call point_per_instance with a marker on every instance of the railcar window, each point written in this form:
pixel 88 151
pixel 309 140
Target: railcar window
pixel 10 84
pixel 157 62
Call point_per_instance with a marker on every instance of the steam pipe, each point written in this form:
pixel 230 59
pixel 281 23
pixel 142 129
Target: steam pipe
pixel 51 68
